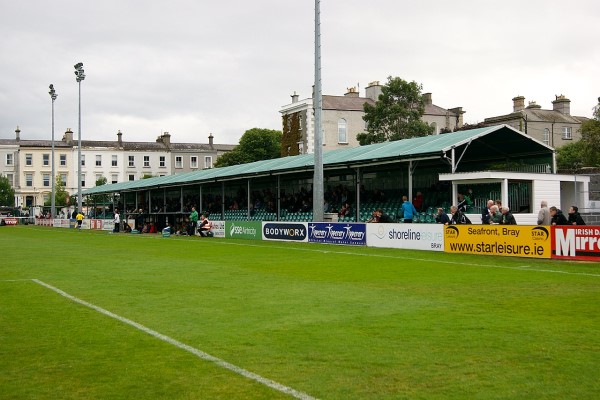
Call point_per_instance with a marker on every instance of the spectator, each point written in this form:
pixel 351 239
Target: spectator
pixel 418 201
pixel 380 216
pixel 495 215
pixel 458 217
pixel 408 210
pixel 575 217
pixel 544 214
pixel 442 217
pixel 485 213
pixel 557 217
pixel 507 217
pixel 117 221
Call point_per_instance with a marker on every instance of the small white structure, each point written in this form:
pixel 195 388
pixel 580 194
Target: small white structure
pixel 561 191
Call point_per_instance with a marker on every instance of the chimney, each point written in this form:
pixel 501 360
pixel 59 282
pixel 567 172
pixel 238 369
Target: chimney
pixel 427 99
pixel 518 103
pixel 68 136
pixel 210 139
pixel 352 92
pixel 166 139
pixel 373 90
pixel 459 116
pixel 533 105
pixel 18 134
pixel 562 105
pixel 295 98
pixel 120 138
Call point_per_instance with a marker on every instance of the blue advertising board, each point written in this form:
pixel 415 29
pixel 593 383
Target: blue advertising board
pixel 337 233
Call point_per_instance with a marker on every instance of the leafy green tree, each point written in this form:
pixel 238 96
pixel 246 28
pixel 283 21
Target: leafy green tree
pixel 61 196
pixel 396 114
pixel 256 144
pixel 7 193
pixel 570 155
pixel 590 136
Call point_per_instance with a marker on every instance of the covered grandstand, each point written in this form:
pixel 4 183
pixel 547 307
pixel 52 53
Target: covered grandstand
pixel 367 177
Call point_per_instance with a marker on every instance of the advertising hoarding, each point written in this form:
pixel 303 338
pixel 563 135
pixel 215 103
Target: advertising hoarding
pixel 406 236
pixel 337 233
pixel 288 231
pixel 576 242
pixel 499 240
pixel 243 230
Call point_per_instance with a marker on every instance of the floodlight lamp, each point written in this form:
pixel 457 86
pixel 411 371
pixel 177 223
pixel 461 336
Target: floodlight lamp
pixel 78 65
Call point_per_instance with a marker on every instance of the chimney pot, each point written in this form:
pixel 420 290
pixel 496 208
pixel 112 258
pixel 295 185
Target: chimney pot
pixel 295 97
pixel 210 139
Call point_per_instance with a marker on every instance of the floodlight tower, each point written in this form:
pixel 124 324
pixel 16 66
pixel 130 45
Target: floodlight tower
pixel 53 96
pixel 79 76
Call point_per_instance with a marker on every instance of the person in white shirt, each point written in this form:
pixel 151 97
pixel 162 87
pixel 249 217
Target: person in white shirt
pixel 117 221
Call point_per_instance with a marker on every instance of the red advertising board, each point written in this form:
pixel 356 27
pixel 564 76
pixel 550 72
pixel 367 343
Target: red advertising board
pixel 577 242
pixel 10 221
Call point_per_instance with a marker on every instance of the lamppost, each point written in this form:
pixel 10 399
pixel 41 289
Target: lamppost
pixel 53 96
pixel 79 76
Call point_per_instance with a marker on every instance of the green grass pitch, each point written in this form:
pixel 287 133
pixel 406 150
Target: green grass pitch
pixel 329 322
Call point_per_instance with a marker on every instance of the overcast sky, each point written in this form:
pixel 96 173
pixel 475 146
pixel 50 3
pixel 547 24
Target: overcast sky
pixel 194 67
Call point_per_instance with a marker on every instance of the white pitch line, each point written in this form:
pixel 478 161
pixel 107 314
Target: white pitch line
pixel 205 356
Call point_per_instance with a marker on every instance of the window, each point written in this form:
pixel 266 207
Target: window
pixel 114 178
pixel 82 180
pixel 146 161
pixel 46 159
pixel 98 160
pixel 132 177
pixel 162 161
pixel 11 179
pixel 63 160
pixel 63 178
pixel 114 161
pixel 546 136
pixel 46 179
pixel 28 159
pixel 208 162
pixel 83 160
pixel 29 180
pixel 567 133
pixel 98 177
pixel 9 159
pixel 194 162
pixel 178 162
pixel 342 136
pixel 131 161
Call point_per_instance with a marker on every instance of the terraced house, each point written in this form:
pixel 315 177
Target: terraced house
pixel 28 163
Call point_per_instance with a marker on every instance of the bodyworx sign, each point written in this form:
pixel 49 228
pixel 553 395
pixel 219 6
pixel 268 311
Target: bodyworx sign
pixel 285 231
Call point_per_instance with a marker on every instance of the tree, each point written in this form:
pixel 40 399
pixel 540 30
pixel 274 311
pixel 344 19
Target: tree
pixel 256 144
pixel 586 152
pixel 396 114
pixel 7 193
pixel 61 196
pixel 590 136
pixel 570 155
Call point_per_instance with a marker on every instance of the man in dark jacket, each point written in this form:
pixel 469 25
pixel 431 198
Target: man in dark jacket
pixel 557 217
pixel 507 217
pixel 575 217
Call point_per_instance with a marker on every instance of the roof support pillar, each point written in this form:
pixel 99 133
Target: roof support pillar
pixel 358 173
pixel 278 191
pixel 200 203
pixel 504 192
pixel 248 211
pixel 222 200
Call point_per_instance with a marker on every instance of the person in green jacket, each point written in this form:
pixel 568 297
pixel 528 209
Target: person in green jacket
pixel 193 222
